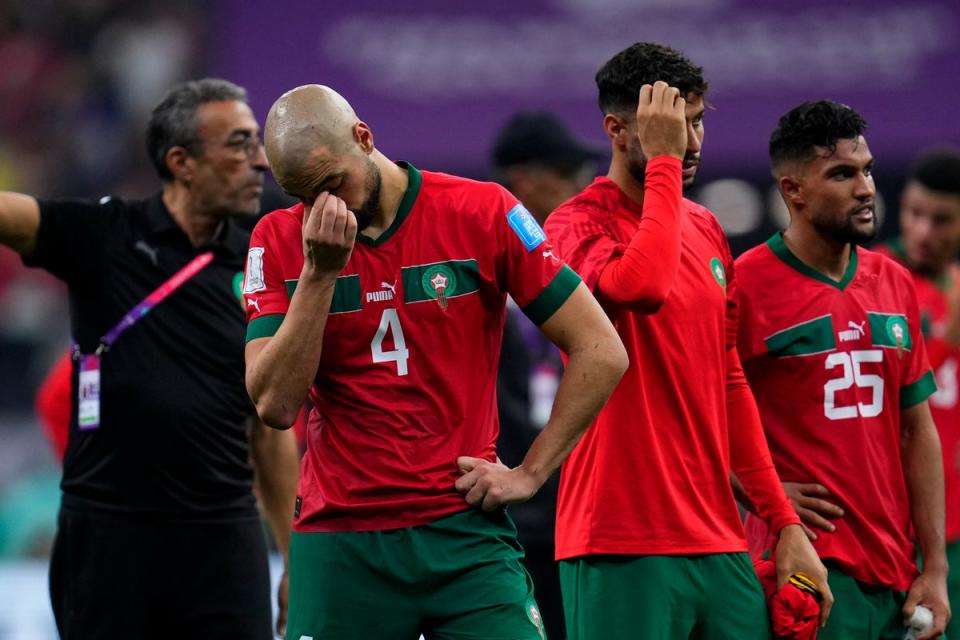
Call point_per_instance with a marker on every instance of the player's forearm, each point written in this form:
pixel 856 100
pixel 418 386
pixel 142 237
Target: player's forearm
pixel 19 221
pixel 643 277
pixel 923 472
pixel 280 373
pixel 590 376
pixel 750 457
pixel 276 467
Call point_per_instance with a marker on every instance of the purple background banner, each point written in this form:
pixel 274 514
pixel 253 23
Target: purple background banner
pixel 436 79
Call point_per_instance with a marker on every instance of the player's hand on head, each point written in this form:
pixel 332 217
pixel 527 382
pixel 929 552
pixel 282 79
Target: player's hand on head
pixel 795 555
pixel 662 121
pixel 930 590
pixel 491 485
pixel 329 232
pixel 812 504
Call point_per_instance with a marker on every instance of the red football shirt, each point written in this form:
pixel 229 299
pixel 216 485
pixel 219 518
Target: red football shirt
pixel 407 376
pixel 652 474
pixel 945 359
pixel 831 365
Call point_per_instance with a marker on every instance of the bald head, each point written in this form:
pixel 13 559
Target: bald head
pixel 304 125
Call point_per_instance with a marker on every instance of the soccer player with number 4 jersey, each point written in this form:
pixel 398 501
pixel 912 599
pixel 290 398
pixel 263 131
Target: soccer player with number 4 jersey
pixel 382 295
pixel 829 335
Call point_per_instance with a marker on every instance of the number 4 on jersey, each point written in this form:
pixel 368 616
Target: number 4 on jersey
pixel 390 321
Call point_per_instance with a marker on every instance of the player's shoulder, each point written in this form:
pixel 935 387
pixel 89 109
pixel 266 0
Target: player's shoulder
pixel 280 223
pixel 757 255
pixel 883 265
pixel 598 202
pixel 439 187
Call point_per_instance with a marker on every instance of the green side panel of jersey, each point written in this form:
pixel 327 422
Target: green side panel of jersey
pixel 554 295
pixel 918 391
pixel 807 338
pixel 346 294
pixel 264 326
pixel 889 330
pixel 451 277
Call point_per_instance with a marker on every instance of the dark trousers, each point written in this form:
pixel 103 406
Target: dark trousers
pixel 119 576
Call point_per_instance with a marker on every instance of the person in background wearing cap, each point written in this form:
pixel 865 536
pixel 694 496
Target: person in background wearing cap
pixel 539 161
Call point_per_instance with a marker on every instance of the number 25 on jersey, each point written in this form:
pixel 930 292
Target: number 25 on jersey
pixel 850 376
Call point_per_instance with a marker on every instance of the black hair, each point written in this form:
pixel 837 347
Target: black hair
pixel 810 125
pixel 173 122
pixel 938 169
pixel 620 79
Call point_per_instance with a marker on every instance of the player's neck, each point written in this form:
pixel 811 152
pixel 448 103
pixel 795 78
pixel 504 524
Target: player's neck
pixel 394 182
pixel 829 257
pixel 200 228
pixel 620 176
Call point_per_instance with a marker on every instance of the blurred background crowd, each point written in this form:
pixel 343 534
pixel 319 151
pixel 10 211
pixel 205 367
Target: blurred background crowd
pixel 437 82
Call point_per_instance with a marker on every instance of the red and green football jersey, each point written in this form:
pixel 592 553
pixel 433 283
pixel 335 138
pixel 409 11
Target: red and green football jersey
pixel 945 403
pixel 831 365
pixel 651 476
pixel 407 377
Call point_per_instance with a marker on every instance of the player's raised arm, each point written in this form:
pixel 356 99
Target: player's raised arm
pixel 597 361
pixel 280 369
pixel 19 221
pixel 643 276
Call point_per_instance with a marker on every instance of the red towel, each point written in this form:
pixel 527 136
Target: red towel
pixel 794 611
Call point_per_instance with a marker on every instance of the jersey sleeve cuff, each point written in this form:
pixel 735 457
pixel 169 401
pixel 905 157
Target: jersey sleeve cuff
pixel 918 391
pixel 264 326
pixel 553 296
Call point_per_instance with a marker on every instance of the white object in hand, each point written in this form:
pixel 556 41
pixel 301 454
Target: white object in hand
pixel 920 621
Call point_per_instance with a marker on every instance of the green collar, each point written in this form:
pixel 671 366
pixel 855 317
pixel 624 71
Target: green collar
pixel 780 249
pixel 406 204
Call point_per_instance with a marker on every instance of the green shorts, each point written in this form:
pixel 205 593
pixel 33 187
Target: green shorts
pixel 708 597
pixel 458 578
pixel 861 610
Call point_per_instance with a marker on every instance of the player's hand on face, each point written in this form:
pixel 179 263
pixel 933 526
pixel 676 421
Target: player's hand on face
pixel 329 232
pixel 930 590
pixel 491 485
pixel 795 554
pixel 662 121
pixel 811 502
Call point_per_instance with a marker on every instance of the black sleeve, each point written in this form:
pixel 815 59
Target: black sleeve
pixel 72 238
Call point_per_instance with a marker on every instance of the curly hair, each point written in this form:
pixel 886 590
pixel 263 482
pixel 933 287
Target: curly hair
pixel 938 169
pixel 810 125
pixel 620 78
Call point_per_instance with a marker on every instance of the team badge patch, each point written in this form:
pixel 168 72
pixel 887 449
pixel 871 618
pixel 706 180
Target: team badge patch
pixel 439 282
pixel 254 281
pixel 526 227
pixel 897 331
pixel 716 268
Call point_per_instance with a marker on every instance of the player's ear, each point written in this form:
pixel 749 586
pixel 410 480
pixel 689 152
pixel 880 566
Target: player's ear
pixel 363 136
pixel 791 188
pixel 616 130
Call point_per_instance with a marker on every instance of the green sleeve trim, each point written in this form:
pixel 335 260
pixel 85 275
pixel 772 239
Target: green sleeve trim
pixel 553 296
pixel 919 391
pixel 264 326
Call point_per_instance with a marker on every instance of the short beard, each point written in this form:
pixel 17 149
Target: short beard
pixel 849 233
pixel 368 211
pixel 637 170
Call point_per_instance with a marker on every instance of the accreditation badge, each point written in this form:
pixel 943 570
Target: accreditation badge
pixel 88 389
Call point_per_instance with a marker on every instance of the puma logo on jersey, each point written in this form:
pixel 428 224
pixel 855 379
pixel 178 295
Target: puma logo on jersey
pixel 151 252
pixel 255 303
pixel 550 254
pixel 387 292
pixel 855 332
